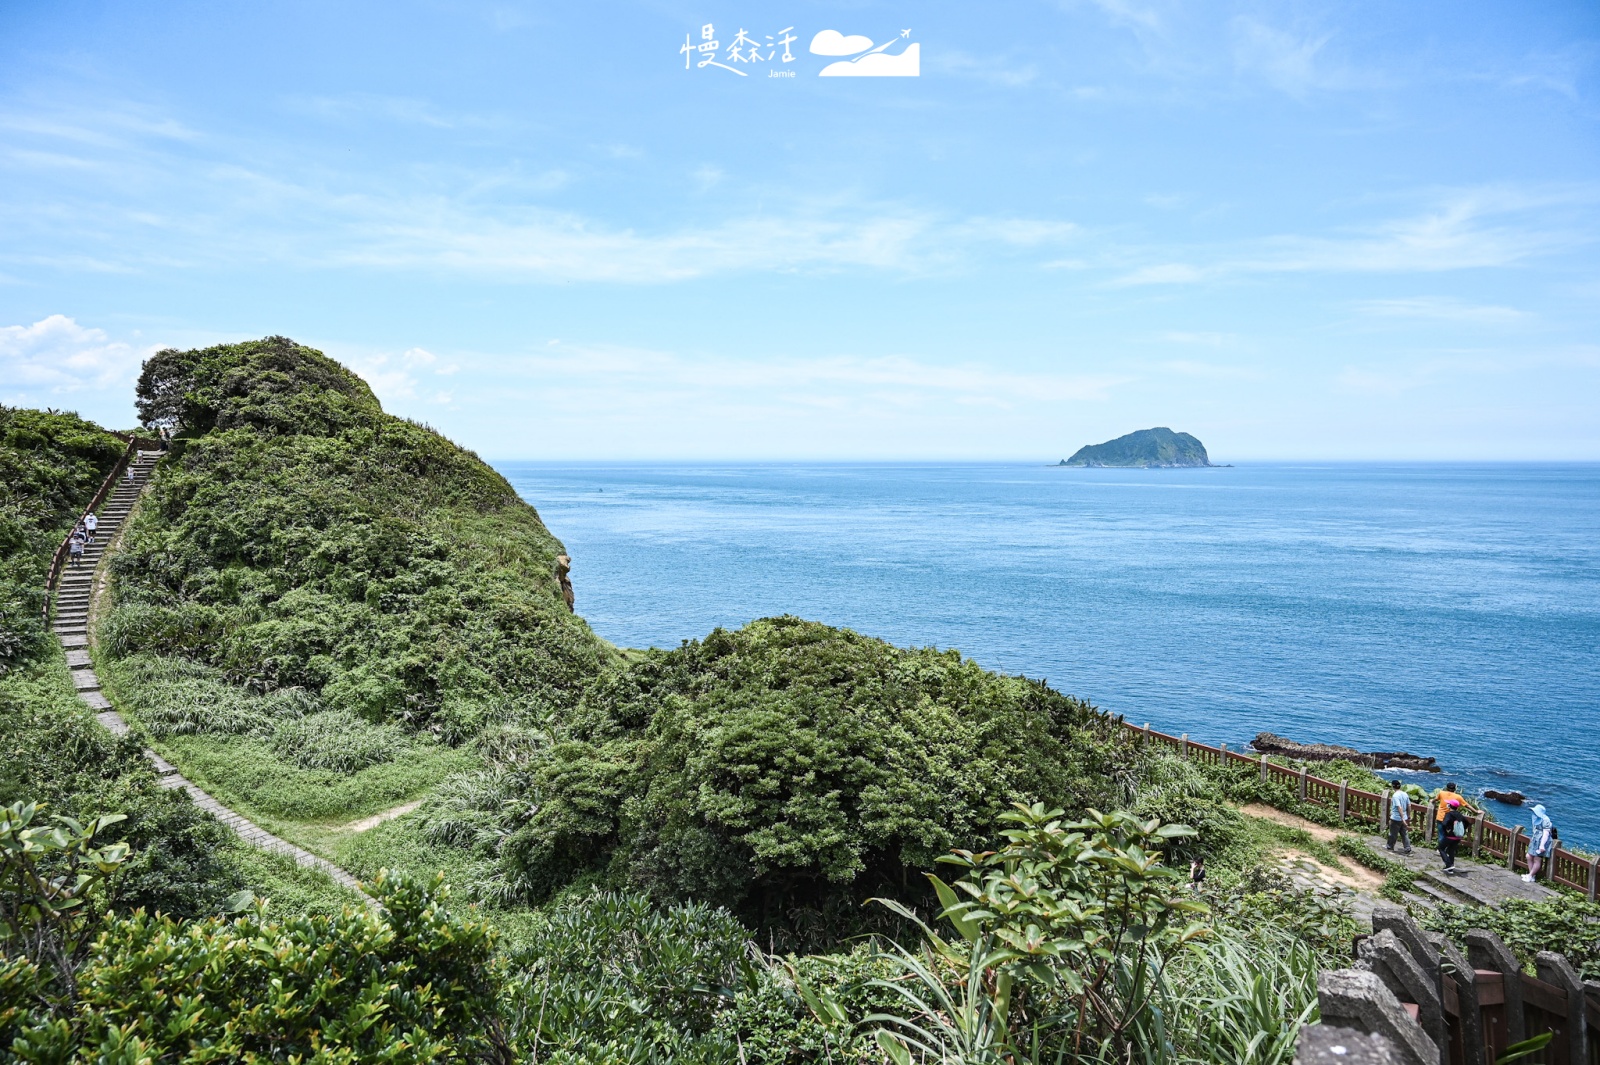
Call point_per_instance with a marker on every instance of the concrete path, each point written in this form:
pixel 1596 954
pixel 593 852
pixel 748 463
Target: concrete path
pixel 70 622
pixel 1472 883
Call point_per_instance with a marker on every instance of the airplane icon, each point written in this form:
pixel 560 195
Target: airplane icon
pixel 905 33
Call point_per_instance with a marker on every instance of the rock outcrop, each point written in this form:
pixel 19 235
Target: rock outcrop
pixel 1268 743
pixel 563 570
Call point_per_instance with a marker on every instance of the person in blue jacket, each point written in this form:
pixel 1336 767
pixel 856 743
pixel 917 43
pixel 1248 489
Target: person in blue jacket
pixel 1541 842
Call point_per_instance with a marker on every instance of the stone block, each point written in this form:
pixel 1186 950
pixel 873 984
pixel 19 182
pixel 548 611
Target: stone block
pixel 1350 998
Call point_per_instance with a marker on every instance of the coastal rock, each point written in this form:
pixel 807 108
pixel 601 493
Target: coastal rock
pixel 1510 798
pixel 563 568
pixel 1268 743
pixel 1158 448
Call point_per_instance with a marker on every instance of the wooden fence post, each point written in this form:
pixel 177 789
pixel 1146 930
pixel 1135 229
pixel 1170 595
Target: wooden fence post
pixel 1344 789
pixel 1555 969
pixel 1477 835
pixel 1147 733
pixel 1263 767
pixel 1594 875
pixel 1511 849
pixel 1183 745
pixel 1302 783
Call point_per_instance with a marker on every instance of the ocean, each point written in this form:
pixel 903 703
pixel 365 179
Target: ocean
pixel 1446 610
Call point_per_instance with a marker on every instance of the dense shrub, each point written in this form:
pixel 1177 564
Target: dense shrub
pixel 414 985
pixel 788 770
pixel 300 537
pixel 1567 925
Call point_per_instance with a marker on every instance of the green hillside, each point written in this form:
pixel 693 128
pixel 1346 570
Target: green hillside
pixel 1145 449
pixel 352 631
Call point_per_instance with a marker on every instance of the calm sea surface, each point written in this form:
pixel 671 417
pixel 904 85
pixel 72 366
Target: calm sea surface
pixel 1449 610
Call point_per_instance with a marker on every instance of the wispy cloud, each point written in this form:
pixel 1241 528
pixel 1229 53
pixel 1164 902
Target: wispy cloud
pixel 1476 228
pixel 1210 371
pixel 1210 340
pixel 1439 308
pixel 807 380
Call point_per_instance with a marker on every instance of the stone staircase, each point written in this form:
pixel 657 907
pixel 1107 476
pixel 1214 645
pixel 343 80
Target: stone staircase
pixel 1472 884
pixel 71 606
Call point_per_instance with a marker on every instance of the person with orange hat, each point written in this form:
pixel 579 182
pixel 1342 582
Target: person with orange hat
pixel 1451 831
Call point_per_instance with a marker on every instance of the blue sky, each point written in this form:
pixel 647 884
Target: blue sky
pixel 1361 231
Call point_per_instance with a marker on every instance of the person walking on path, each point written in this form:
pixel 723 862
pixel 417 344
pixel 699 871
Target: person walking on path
pixel 1399 813
pixel 1451 830
pixel 90 524
pixel 75 547
pixel 1442 800
pixel 1541 841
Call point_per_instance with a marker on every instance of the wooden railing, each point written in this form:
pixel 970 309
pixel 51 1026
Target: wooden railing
pixel 135 444
pixel 1581 872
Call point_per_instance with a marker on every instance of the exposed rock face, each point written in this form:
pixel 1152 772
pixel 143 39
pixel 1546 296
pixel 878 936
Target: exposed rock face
pixel 1510 798
pixel 563 568
pixel 1267 743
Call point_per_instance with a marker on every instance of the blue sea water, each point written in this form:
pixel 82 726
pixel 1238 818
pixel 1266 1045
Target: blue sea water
pixel 1449 610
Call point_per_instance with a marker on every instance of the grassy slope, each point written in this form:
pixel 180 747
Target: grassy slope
pixel 320 606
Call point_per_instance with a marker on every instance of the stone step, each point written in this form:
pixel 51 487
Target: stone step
pixel 113 722
pixel 85 681
pixel 78 658
pixel 1419 901
pixel 162 766
pixel 1433 896
pixel 71 642
pixel 95 700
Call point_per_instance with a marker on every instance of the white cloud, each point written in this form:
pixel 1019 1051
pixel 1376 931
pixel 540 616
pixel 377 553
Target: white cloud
pixel 56 356
pixel 397 378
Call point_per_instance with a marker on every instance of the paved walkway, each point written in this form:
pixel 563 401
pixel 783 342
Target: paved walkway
pixel 70 622
pixel 1472 883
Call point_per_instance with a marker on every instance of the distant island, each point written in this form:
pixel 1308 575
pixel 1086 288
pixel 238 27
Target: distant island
pixel 1158 448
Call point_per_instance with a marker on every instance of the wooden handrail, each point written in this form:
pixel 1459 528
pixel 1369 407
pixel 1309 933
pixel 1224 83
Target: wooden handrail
pixel 106 486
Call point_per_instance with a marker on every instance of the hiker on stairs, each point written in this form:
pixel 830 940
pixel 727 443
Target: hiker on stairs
pixel 75 546
pixel 90 524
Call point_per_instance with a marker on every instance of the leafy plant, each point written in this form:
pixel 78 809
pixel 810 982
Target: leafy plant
pixel 1569 925
pixel 49 877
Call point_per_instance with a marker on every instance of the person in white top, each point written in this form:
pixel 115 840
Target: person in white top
pixel 1399 813
pixel 91 523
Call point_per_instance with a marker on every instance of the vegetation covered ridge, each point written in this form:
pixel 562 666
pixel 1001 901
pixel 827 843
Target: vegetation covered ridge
pixel 1158 448
pixel 317 603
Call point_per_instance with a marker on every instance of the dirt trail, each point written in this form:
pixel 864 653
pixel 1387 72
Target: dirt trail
pixel 380 817
pixel 1350 873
